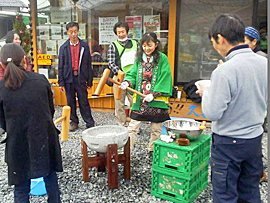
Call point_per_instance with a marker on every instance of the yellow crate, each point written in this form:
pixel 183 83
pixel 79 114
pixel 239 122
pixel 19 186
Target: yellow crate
pixel 59 97
pixel 109 102
pixel 106 90
pixel 102 102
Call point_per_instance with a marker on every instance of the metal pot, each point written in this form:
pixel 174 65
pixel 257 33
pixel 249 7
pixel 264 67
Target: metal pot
pixel 185 128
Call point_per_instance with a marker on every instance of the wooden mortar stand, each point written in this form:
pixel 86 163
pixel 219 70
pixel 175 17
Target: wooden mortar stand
pixel 109 160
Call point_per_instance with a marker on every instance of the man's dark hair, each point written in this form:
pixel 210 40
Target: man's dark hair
pixel 72 24
pixel 230 27
pixel 120 24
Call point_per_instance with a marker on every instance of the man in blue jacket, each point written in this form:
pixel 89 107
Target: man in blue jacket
pixel 75 75
pixel 236 103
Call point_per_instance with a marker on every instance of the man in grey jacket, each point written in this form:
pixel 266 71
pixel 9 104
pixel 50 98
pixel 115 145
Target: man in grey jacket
pixel 236 103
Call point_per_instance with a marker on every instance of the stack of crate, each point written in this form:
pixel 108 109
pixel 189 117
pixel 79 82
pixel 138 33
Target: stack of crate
pixel 180 173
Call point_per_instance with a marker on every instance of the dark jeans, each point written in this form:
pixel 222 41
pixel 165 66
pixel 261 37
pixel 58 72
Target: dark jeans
pixel 82 94
pixel 21 192
pixel 236 168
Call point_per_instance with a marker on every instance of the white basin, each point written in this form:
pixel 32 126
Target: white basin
pixel 98 138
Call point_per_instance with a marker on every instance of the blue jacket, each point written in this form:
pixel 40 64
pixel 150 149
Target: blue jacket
pixel 65 65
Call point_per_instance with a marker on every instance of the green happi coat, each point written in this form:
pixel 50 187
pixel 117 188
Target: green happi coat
pixel 161 82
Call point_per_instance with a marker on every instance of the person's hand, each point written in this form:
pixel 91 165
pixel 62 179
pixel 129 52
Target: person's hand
pixel 201 87
pixel 62 89
pixel 199 92
pixel 219 63
pixel 124 85
pixel 148 98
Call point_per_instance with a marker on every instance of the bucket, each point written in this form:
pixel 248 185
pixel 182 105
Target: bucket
pixel 37 187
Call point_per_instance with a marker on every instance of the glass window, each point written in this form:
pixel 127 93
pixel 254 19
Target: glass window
pixel 195 57
pixel 96 20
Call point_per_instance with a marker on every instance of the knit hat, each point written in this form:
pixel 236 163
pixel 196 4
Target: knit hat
pixel 253 33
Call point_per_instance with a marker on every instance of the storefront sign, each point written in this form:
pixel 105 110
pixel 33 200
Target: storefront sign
pixel 106 34
pixel 44 62
pixel 135 26
pixel 82 31
pixel 56 31
pixel 58 16
pixel 151 24
pixel 44 59
pixel 51 47
pixel 44 32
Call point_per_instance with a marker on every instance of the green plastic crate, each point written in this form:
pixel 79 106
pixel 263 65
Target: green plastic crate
pixel 170 186
pixel 182 159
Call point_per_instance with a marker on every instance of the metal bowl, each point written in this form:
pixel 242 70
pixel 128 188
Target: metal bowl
pixel 184 128
pixel 98 138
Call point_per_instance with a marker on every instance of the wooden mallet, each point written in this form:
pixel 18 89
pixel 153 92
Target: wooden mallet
pixel 105 77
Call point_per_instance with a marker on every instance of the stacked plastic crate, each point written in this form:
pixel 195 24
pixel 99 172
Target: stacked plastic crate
pixel 180 173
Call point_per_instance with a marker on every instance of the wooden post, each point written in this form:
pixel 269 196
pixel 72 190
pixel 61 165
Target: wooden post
pixel 85 167
pixel 127 160
pixel 101 168
pixel 65 123
pixel 120 79
pixel 112 166
pixel 172 33
pixel 33 11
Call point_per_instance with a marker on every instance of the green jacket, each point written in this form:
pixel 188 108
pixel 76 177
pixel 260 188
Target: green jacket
pixel 161 82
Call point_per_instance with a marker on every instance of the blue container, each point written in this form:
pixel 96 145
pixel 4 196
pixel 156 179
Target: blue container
pixel 164 131
pixel 37 187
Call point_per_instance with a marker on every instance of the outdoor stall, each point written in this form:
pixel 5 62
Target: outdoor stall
pixel 180 165
pixel 182 28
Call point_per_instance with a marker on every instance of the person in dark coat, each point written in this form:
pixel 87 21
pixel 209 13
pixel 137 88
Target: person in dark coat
pixel 26 114
pixel 75 75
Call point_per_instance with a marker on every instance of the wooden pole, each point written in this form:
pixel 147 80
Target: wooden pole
pixel 112 166
pixel 120 79
pixel 33 12
pixel 172 33
pixel 85 168
pixel 127 160
pixel 65 123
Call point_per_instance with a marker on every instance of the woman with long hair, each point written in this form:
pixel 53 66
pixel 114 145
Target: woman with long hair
pixel 26 114
pixel 150 75
pixel 14 37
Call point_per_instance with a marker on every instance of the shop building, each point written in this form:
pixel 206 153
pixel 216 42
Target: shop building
pixel 181 25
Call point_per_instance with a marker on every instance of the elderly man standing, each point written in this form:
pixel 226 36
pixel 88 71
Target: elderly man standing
pixel 121 56
pixel 236 103
pixel 75 75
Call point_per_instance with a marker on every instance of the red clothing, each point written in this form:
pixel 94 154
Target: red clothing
pixel 75 53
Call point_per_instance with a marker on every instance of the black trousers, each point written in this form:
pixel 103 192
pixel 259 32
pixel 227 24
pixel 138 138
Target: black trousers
pixel 81 90
pixel 236 169
pixel 21 191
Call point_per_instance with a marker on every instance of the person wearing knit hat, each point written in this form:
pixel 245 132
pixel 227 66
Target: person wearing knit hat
pixel 252 38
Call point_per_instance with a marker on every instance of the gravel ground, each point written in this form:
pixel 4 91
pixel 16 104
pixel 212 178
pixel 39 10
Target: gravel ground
pixel 137 189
